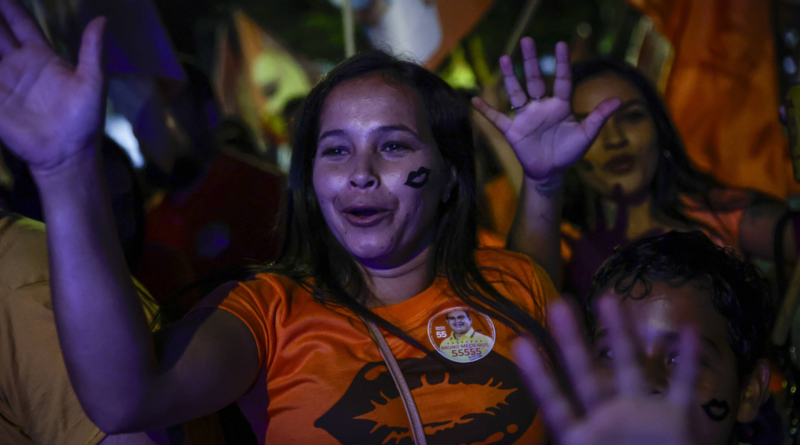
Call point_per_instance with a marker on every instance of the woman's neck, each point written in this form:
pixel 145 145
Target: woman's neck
pixel 398 284
pixel 640 218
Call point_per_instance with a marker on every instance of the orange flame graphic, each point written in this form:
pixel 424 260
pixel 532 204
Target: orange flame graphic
pixel 439 409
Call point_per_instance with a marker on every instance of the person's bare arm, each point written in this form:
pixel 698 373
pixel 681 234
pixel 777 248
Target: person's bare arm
pixel 208 360
pixel 536 230
pixel 51 116
pixel 757 231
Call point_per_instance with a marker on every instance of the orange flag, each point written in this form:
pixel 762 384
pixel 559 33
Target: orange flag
pixel 458 17
pixel 722 90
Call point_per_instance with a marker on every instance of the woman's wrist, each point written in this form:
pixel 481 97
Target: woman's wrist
pixel 79 166
pixel 549 186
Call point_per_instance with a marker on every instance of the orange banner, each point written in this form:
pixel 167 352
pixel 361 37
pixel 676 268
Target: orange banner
pixel 723 92
pixel 458 17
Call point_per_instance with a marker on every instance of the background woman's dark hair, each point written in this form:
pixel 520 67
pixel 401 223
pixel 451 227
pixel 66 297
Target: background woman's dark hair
pixel 675 176
pixel 310 250
pixel 738 290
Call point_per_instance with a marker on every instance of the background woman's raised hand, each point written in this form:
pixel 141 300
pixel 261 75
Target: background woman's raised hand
pixel 618 412
pixel 49 110
pixel 545 135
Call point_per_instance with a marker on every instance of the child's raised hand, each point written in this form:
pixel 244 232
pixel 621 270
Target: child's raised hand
pixel 630 413
pixel 544 134
pixel 49 110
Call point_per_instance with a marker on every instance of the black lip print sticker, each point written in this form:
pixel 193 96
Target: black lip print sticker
pixel 716 410
pixel 497 410
pixel 418 178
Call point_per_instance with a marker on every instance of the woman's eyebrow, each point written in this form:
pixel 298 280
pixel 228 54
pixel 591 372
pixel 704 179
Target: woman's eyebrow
pixel 631 103
pixel 330 133
pixel 398 127
pixel 624 106
pixel 381 129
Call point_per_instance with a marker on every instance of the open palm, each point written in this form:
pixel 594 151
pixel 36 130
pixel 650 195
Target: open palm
pixel 49 110
pixel 627 411
pixel 545 135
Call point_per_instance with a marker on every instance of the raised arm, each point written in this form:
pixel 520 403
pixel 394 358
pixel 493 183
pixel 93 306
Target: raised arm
pixel 51 115
pixel 547 140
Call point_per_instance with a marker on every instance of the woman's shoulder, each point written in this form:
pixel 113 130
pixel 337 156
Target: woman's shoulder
pixel 721 200
pixel 519 278
pixel 501 265
pixel 499 258
pixel 257 291
pixel 274 285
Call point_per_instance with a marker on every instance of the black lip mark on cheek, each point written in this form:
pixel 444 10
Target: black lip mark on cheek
pixel 418 178
pixel 716 410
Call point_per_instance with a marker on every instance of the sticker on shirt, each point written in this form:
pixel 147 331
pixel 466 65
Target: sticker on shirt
pixel 462 334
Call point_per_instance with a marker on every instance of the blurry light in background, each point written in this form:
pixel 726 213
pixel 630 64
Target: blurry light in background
pixel 547 63
pixel 791 38
pixel 284 158
pixel 789 66
pixel 120 130
pixel 357 5
pixel 584 30
pixel 606 44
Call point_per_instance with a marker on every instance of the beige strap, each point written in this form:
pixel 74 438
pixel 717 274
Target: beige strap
pixel 417 429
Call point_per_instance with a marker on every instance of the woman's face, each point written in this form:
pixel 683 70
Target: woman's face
pixel 378 174
pixel 625 152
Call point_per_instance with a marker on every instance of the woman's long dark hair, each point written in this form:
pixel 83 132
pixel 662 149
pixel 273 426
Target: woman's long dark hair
pixel 675 178
pixel 313 257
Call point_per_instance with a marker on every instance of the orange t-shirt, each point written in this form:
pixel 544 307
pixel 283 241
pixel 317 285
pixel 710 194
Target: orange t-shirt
pixel 323 381
pixel 725 219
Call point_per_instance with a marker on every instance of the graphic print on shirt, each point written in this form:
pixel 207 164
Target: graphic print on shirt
pixel 461 334
pixel 465 403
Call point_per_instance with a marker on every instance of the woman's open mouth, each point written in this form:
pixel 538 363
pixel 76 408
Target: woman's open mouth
pixel 620 164
pixel 364 216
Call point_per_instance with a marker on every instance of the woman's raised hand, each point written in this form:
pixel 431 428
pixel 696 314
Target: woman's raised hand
pixel 544 134
pixel 49 110
pixel 624 411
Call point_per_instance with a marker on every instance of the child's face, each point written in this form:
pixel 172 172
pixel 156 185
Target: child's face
pixel 657 320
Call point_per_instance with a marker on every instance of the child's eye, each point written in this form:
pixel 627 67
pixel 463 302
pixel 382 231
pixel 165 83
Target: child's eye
pixel 675 359
pixel 605 354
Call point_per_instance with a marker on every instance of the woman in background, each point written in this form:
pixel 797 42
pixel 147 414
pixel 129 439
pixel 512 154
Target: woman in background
pixel 636 181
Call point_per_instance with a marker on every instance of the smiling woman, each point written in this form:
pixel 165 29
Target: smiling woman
pixel 383 227
pixel 381 231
